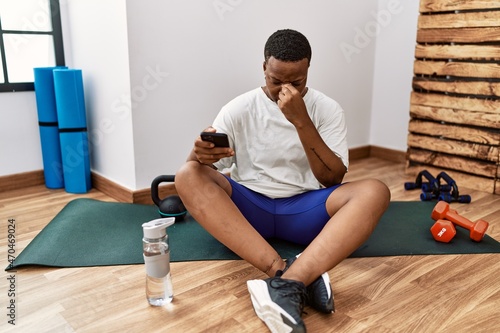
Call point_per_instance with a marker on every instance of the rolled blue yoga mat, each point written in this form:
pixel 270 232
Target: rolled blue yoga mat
pixel 51 156
pixel 49 130
pixel 71 114
pixel 76 163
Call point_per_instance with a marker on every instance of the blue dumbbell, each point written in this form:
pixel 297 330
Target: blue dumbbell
pixel 420 184
pixel 451 195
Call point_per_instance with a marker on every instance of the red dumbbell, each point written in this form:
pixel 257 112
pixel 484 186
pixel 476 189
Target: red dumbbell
pixel 477 229
pixel 443 231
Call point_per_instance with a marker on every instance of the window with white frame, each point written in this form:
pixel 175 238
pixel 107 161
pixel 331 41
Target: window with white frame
pixel 30 36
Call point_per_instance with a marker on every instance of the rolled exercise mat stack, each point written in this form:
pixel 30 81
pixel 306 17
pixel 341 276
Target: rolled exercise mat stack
pixel 49 128
pixel 71 114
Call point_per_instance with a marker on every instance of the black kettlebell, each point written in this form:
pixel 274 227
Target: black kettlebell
pixel 170 206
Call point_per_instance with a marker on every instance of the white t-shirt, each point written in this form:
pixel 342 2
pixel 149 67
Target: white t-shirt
pixel 269 157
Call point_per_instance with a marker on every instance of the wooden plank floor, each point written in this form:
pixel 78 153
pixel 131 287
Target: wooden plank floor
pixel 442 293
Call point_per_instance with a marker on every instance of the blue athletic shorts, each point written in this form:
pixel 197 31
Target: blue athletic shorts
pixel 298 219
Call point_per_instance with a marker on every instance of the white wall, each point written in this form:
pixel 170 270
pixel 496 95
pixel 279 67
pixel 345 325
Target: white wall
pixel 20 148
pixel 208 56
pixel 97 33
pixel 174 63
pixel 394 58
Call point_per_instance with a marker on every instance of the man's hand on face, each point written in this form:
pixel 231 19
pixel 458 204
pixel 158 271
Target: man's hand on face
pixel 292 104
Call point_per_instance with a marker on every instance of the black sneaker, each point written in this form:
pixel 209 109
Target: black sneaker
pixel 319 292
pixel 279 303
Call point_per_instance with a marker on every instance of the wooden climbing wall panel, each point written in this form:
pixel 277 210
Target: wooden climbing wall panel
pixel 455 103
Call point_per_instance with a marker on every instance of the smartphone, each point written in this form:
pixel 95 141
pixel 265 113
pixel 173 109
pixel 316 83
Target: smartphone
pixel 219 139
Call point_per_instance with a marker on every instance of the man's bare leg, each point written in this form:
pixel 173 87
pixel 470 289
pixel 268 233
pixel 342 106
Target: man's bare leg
pixel 355 209
pixel 206 193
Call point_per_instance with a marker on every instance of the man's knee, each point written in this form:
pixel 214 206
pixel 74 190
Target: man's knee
pixel 377 189
pixel 366 191
pixel 186 171
pixel 183 175
pixel 372 193
pixel 193 176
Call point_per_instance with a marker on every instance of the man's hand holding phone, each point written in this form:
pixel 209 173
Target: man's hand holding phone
pixel 210 147
pixel 218 139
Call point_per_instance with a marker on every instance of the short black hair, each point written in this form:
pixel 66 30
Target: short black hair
pixel 287 45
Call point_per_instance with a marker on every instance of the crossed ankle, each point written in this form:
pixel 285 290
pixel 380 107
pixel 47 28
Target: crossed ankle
pixel 276 266
pixel 288 276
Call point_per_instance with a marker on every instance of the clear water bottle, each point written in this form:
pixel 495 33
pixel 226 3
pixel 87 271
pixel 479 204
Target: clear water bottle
pixel 156 250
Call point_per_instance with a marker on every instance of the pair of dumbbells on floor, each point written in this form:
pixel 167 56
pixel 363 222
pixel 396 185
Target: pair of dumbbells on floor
pixel 446 219
pixel 432 188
